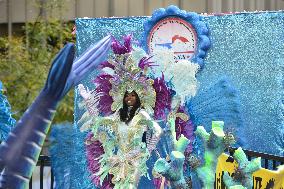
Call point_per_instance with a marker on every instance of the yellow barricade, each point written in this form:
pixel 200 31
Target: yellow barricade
pixel 262 179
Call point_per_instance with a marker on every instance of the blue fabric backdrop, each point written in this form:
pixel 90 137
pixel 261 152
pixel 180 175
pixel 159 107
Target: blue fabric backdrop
pixel 7 122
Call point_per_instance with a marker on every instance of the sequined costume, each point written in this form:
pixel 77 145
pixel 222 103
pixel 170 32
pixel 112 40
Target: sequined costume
pixel 125 154
pixel 115 151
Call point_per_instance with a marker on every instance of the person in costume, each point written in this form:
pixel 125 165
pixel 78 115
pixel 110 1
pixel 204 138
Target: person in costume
pixel 130 93
pixel 128 137
pixel 132 108
pixel 119 110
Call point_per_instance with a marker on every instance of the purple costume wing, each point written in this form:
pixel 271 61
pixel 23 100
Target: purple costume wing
pixel 94 150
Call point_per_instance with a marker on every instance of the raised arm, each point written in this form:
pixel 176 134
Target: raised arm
pixel 89 98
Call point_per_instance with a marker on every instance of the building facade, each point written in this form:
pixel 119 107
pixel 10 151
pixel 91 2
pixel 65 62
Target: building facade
pixel 14 13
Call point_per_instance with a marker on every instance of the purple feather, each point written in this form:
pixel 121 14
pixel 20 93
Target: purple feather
pixel 145 62
pixel 163 98
pixel 118 48
pixel 106 64
pixel 127 43
pixel 158 183
pixel 186 128
pixel 103 88
pixel 93 152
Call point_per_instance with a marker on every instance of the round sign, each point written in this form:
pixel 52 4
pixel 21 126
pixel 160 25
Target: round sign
pixel 176 34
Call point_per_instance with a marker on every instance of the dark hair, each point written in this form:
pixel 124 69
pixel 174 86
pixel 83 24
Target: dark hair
pixel 124 110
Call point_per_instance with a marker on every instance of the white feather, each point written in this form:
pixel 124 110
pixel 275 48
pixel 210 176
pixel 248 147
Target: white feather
pixel 181 73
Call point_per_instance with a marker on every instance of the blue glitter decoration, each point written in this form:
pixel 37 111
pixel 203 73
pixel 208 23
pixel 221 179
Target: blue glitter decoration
pixel 68 157
pixel 247 49
pixel 60 152
pixel 7 122
pixel 219 102
pixel 194 19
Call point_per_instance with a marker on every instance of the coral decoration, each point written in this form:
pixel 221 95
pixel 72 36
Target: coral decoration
pixel 242 176
pixel 173 170
pixel 214 143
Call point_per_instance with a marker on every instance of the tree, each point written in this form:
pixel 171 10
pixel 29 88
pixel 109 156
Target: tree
pixel 25 61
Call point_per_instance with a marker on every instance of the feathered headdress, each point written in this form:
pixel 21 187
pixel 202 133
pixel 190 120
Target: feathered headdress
pixel 129 70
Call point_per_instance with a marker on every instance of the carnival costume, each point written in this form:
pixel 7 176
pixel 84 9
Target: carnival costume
pixel 125 154
pixel 122 159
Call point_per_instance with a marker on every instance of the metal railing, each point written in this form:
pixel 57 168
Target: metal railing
pixel 268 162
pixel 43 161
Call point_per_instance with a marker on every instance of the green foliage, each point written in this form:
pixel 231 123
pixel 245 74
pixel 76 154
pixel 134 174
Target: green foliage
pixel 25 61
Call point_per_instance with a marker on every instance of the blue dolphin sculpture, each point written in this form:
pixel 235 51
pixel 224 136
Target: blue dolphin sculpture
pixel 20 152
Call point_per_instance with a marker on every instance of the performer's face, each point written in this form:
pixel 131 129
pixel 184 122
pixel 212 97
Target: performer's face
pixel 130 99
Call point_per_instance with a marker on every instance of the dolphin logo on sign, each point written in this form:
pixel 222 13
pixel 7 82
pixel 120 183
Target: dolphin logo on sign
pixel 175 34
